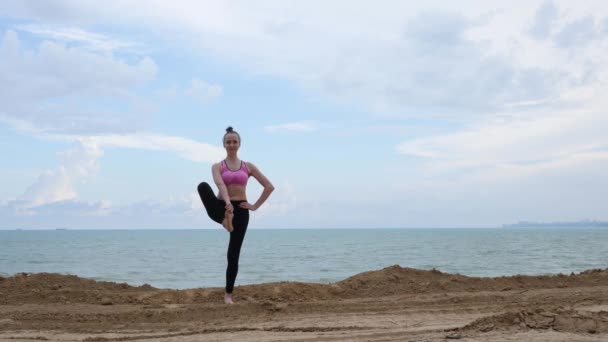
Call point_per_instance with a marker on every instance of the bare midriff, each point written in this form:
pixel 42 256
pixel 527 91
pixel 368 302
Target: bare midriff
pixel 236 192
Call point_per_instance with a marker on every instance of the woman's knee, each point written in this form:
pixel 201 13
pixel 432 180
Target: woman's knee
pixel 203 187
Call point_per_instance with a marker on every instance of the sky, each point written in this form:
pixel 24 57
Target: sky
pixel 363 114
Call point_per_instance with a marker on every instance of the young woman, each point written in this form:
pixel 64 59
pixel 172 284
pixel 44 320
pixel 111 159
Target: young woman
pixel 230 206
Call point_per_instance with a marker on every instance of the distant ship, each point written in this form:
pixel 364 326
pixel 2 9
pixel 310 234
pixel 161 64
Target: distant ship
pixel 576 224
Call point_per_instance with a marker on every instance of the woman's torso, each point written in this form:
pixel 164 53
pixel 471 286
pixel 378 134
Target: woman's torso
pixel 235 176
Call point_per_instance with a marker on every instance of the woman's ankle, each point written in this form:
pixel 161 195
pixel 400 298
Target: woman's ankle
pixel 227 222
pixel 228 298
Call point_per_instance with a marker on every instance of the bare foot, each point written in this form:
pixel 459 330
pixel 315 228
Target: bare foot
pixel 228 298
pixel 227 223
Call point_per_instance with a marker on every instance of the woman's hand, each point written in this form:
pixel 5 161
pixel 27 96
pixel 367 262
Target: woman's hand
pixel 229 207
pixel 247 205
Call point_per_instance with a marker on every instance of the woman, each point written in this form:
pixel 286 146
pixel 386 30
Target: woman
pixel 230 206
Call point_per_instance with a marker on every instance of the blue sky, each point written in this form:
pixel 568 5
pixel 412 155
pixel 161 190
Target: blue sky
pixel 362 114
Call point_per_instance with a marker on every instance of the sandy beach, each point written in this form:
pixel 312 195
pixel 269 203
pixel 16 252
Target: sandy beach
pixel 392 304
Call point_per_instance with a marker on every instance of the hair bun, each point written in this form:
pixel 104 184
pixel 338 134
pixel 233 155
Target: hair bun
pixel 229 129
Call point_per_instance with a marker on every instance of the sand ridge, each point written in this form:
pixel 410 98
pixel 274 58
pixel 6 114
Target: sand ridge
pixel 557 319
pixel 46 288
pixel 393 303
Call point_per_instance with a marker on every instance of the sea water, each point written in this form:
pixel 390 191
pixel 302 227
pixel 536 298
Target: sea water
pixel 197 258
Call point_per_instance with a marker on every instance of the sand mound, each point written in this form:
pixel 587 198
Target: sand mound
pixel 58 288
pixel 55 288
pixel 397 280
pixel 558 320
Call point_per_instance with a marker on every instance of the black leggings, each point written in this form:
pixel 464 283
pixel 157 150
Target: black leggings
pixel 216 209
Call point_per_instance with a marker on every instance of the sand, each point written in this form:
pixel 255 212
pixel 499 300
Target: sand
pixel 392 304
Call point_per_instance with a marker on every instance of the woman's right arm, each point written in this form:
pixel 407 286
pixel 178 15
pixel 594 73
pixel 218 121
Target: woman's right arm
pixel 217 178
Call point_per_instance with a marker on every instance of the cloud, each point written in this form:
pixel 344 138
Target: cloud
pixel 72 207
pixel 58 185
pixel 65 97
pixel 198 90
pixel 434 29
pixel 63 83
pixel 78 214
pixel 58 102
pixel 577 33
pixel 435 70
pixel 409 60
pixel 301 126
pixel 90 41
pixel 515 147
pixel 55 70
pixel 544 19
pixel 203 91
pixel 50 187
pixel 176 212
pixel 185 148
pixel 404 62
pixel 82 162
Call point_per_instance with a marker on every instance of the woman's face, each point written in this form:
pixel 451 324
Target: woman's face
pixel 231 142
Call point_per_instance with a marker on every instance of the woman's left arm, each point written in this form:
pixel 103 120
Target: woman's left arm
pixel 268 188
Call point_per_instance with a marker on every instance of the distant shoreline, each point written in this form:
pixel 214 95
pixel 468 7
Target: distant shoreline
pixel 577 224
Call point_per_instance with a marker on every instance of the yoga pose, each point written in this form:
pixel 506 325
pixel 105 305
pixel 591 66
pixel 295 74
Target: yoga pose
pixel 230 207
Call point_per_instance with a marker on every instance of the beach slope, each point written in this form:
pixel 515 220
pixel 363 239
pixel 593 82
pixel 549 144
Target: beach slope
pixel 392 304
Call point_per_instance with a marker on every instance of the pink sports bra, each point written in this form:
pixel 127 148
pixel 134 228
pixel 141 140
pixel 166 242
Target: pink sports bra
pixel 238 177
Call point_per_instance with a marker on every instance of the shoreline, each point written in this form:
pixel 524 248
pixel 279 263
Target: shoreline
pixel 498 227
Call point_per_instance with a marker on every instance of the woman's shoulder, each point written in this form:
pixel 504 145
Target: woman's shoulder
pixel 250 166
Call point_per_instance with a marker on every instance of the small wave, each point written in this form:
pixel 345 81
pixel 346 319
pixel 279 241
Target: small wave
pixel 37 262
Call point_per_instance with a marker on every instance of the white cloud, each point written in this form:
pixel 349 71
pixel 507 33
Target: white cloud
pixel 79 214
pixel 58 185
pixel 185 148
pixel 58 101
pixel 457 61
pixel 91 41
pixel 203 91
pixel 198 90
pixel 82 162
pixel 55 103
pixel 301 126
pixel 578 33
pixel 50 187
pixel 544 19
pixel 520 147
pixel 62 85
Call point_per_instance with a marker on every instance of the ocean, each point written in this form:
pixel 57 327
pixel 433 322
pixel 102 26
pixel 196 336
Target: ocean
pixel 181 259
